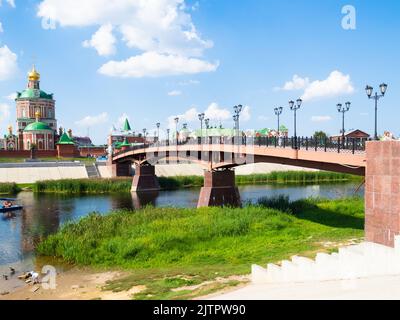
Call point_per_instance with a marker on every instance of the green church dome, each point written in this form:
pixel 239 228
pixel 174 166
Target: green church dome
pixel 38 126
pixel 34 94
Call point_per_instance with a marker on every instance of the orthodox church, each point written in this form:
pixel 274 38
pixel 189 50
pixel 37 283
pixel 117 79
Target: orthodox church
pixel 36 122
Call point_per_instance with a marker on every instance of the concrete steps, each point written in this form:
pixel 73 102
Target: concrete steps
pixel 358 261
pixel 92 171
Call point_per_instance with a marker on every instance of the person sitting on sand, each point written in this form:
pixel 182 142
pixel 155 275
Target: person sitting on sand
pixel 7 204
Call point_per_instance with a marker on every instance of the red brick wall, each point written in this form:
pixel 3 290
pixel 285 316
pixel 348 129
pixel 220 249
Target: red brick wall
pixel 96 151
pixel 27 154
pixel 382 192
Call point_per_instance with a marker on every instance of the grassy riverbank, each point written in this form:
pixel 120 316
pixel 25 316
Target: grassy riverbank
pixel 171 248
pixel 9 188
pixel 181 182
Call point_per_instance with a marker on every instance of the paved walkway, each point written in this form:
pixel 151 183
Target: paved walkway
pixel 379 288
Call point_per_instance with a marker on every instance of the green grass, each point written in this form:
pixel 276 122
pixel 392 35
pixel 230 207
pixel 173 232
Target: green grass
pixel 9 188
pixel 19 160
pixel 181 182
pixel 168 248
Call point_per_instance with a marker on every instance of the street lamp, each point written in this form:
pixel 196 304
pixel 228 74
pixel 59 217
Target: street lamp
pixel 369 90
pixel 176 129
pixel 343 110
pixel 237 110
pixel 168 131
pixel 294 107
pixel 201 118
pixel 278 112
pixel 207 123
pixel 158 132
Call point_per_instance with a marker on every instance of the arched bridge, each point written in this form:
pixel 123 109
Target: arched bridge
pixel 378 161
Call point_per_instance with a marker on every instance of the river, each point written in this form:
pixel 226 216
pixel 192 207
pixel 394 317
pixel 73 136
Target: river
pixel 43 214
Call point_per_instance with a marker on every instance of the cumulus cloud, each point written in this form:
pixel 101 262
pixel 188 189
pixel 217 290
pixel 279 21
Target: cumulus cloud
pixel 10 2
pixel 92 121
pixel 8 63
pixel 336 84
pixel 153 64
pixel 321 118
pixel 103 41
pixel 4 111
pixel 162 27
pixel 1 27
pixel 214 112
pixel 297 83
pixel 174 93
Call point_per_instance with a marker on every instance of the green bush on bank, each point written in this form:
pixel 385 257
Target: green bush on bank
pixel 181 182
pixel 9 188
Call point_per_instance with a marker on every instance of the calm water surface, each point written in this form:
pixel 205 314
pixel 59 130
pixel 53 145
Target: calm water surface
pixel 44 214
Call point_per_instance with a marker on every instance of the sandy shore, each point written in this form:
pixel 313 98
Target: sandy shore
pixel 75 284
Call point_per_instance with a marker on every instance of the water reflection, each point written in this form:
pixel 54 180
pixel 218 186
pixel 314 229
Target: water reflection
pixel 43 214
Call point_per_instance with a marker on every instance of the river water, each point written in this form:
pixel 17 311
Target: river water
pixel 43 214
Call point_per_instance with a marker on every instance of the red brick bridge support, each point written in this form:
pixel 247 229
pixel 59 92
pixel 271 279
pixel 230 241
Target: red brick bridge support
pixel 382 192
pixel 219 189
pixel 145 179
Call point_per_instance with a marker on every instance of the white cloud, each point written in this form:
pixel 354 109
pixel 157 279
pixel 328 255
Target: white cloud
pixel 162 27
pixel 189 116
pixel 10 2
pixel 321 118
pixel 263 118
pixel 215 112
pixel 153 64
pixel 297 83
pixel 246 114
pixel 1 27
pixel 91 121
pixel 4 111
pixel 336 84
pixel 11 96
pixel 103 41
pixel 174 93
pixel 189 82
pixel 8 63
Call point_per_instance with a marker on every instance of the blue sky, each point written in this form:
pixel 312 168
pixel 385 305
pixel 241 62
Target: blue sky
pixel 152 60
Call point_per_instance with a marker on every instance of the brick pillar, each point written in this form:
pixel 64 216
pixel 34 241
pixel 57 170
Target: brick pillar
pixel 120 169
pixel 219 190
pixel 382 192
pixel 145 179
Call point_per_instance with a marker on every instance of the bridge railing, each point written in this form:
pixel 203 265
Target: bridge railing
pixel 348 145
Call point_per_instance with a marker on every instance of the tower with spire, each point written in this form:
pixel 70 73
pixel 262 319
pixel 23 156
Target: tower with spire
pixel 30 103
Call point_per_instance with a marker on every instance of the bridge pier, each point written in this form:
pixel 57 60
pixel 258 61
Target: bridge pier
pixel 120 169
pixel 382 192
pixel 219 190
pixel 145 179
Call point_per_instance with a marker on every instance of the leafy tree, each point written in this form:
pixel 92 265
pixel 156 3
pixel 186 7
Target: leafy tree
pixel 320 135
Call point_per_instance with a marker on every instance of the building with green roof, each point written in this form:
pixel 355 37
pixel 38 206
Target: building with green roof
pixel 33 103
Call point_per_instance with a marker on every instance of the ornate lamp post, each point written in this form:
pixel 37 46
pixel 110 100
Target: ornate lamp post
pixel 237 110
pixel 343 110
pixel 176 129
pixel 369 90
pixel 278 112
pixel 207 123
pixel 201 118
pixel 168 131
pixel 158 132
pixel 294 107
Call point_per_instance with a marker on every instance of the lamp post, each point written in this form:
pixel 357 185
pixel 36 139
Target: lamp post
pixel 201 118
pixel 237 110
pixel 294 107
pixel 207 123
pixel 158 132
pixel 176 129
pixel 278 112
pixel 343 109
pixel 168 130
pixel 369 90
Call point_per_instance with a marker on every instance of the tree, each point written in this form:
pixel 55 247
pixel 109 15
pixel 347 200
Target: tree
pixel 320 135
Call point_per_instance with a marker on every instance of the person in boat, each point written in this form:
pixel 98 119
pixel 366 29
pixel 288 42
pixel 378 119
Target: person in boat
pixel 7 204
